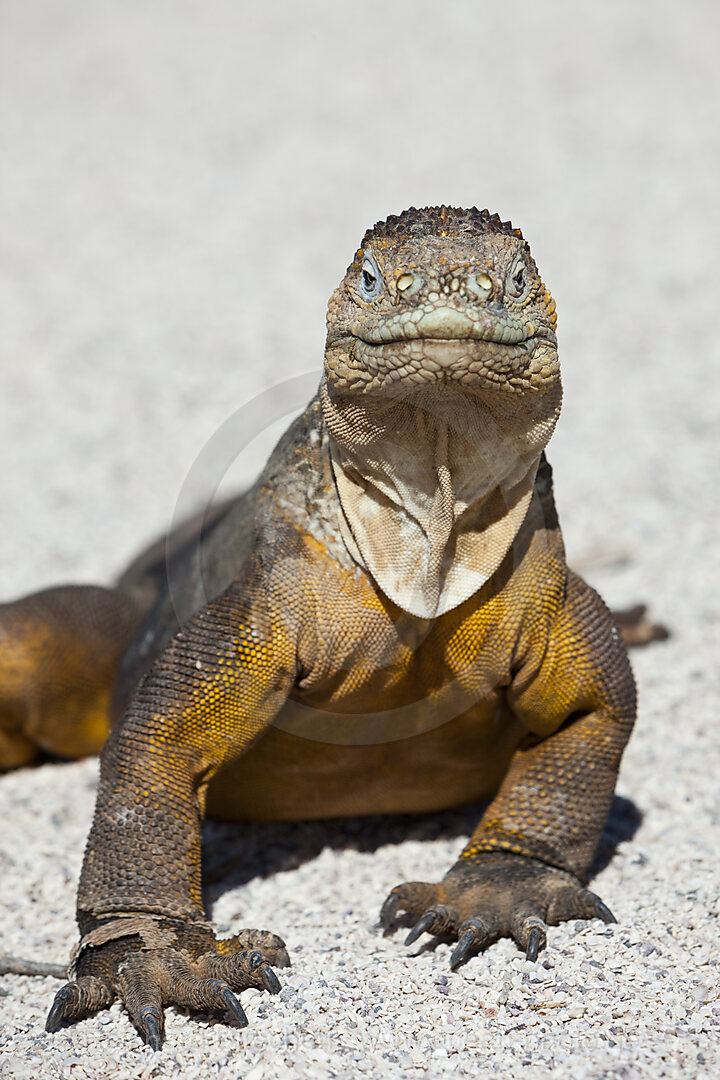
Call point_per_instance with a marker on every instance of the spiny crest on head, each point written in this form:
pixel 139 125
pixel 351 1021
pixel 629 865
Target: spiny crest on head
pixel 437 220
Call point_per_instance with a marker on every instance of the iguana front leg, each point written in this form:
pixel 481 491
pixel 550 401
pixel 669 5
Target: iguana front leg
pixel 145 935
pixel 526 863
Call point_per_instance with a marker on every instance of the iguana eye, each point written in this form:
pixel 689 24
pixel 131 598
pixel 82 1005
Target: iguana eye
pixel 370 279
pixel 517 280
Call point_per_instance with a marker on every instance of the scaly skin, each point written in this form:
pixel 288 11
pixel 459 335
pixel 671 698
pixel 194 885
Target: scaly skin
pixel 397 631
pixel 59 650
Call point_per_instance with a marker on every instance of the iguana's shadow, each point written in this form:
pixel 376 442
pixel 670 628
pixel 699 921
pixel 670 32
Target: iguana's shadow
pixel 235 854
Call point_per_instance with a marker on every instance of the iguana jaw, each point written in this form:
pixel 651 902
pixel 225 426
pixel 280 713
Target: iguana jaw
pixel 527 364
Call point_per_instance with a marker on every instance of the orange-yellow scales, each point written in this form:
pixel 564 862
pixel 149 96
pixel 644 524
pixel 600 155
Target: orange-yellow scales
pixel 385 622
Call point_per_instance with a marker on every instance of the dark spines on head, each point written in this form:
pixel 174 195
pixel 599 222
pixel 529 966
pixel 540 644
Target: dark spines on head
pixel 435 221
pixel 439 221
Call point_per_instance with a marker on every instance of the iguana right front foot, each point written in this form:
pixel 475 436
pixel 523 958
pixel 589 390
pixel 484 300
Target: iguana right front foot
pixel 194 970
pixel 492 895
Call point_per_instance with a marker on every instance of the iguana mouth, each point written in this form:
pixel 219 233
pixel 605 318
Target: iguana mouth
pixel 431 341
pixel 530 362
pixel 445 323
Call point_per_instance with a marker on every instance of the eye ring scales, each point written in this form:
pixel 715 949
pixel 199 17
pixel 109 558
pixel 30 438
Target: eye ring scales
pixel 370 279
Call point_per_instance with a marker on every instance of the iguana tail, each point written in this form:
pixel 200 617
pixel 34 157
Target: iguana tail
pixel 62 681
pixel 59 651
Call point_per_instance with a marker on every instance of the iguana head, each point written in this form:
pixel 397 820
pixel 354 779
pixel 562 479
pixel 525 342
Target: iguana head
pixel 441 389
pixel 442 295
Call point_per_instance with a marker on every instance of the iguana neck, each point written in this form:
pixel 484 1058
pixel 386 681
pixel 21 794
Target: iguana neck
pixel 434 485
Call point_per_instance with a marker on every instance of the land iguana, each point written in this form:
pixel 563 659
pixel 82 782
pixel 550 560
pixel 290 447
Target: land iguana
pixel 384 623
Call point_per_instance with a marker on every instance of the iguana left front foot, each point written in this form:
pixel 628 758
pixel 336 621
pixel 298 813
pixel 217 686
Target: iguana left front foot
pixel 494 895
pixel 166 962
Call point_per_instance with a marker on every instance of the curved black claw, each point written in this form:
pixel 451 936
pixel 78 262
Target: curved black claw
pixel 55 1017
pixel 151 1030
pixel 533 945
pixel 424 923
pixel 268 977
pixel 270 980
pixel 474 934
pixel 234 1006
pixel 603 912
pixel 462 948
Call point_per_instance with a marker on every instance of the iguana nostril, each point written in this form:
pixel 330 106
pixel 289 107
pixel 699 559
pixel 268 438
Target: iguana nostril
pixel 480 285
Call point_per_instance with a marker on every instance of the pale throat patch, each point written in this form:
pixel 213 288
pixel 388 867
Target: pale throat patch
pixel 435 486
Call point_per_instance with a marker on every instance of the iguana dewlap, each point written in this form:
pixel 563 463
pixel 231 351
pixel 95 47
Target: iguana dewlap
pixel 385 622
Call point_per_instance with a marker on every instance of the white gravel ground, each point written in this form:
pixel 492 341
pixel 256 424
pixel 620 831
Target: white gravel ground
pixel 183 184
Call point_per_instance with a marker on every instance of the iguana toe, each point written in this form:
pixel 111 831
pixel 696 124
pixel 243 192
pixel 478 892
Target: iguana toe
pixel 578 903
pixel 430 921
pixel 75 1000
pixel 64 998
pixel 263 943
pixel 474 935
pixel 414 897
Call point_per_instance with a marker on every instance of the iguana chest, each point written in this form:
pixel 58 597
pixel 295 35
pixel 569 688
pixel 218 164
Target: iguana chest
pixel 390 714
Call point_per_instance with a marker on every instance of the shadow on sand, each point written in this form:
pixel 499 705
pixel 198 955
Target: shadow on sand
pixel 237 853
